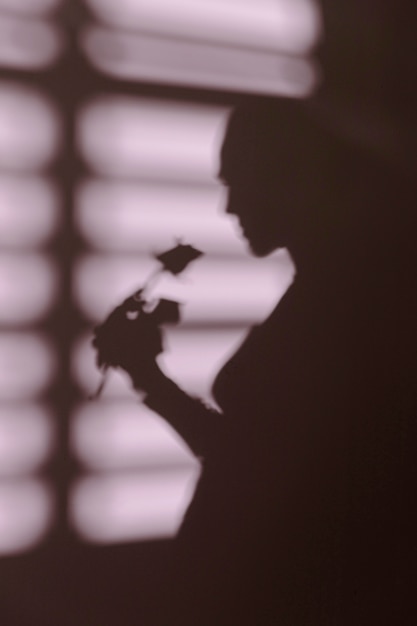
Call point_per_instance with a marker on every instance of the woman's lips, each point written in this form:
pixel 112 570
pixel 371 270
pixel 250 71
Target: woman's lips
pixel 244 230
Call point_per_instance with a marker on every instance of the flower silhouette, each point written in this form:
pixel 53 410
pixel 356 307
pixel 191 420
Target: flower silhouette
pixel 176 259
pixel 132 331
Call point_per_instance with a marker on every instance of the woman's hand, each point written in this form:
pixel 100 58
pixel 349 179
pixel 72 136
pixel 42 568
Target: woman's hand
pixel 131 340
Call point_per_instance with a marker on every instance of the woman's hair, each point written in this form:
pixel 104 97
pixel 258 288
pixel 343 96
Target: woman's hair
pixel 292 151
pixel 276 135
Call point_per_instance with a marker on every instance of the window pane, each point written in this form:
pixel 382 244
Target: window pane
pixel 160 60
pixel 142 138
pixel 122 435
pixel 26 437
pixel 27 365
pixel 29 211
pixel 28 45
pixel 29 129
pixel 26 511
pixel 29 7
pixel 213 290
pixel 126 507
pixel 127 217
pixel 28 287
pixel 287 25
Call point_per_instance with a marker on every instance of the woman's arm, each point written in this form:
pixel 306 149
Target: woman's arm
pixel 196 423
pixel 132 343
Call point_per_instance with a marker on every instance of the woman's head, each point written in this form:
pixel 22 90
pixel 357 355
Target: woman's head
pixel 272 163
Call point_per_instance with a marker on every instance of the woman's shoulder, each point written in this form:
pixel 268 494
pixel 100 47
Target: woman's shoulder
pixel 263 345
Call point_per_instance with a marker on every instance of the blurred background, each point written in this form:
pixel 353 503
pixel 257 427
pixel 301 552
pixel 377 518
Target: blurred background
pixel 111 120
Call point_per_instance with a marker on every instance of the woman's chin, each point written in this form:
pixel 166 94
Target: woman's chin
pixel 260 247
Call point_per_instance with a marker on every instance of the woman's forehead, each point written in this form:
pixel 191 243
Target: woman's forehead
pixel 238 154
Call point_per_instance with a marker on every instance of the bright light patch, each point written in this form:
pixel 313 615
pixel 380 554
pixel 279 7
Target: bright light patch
pixel 28 44
pixel 139 138
pixel 28 287
pixel 213 290
pixel 192 63
pixel 230 291
pixel 194 357
pixel 29 7
pixel 113 435
pixel 27 365
pixel 29 211
pixel 25 514
pixel 26 438
pixel 120 217
pixel 289 25
pixel 29 129
pixel 108 509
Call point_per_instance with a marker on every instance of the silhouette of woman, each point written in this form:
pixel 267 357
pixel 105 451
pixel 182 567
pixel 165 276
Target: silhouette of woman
pixel 298 512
